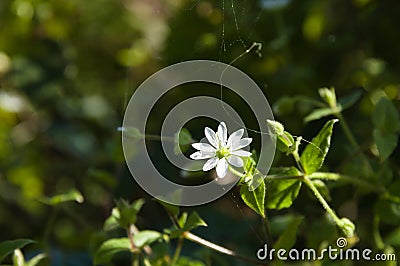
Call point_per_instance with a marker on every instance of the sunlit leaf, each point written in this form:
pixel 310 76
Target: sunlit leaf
pixel 183 139
pixel 314 154
pixel 282 193
pixel 255 199
pixel 72 195
pixel 193 221
pixel 127 213
pixel 109 248
pixel 321 112
pixel 146 237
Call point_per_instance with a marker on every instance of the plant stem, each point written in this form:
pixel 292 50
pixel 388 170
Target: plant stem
pixel 322 200
pixel 266 231
pixel 177 251
pixel 270 177
pixel 354 180
pixel 130 237
pixel 220 249
pixel 194 238
pixel 377 236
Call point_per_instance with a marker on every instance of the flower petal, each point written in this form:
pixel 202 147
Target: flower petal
pixel 235 137
pixel 199 155
pixel 203 147
pixel 241 143
pixel 222 133
pixel 210 164
pixel 211 136
pixel 235 161
pixel 241 153
pixel 222 168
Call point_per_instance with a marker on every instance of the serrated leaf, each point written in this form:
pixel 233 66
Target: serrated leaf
pixel 287 239
pixel 146 237
pixel 385 142
pixel 109 248
pixel 385 116
pixel 194 221
pixel 314 154
pixel 321 112
pixel 255 199
pixel 7 247
pixel 72 195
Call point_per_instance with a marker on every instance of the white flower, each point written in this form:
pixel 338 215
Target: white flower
pixel 223 150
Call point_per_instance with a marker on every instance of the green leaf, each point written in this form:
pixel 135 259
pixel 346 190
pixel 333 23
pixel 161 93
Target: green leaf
pixel 287 239
pixel 385 116
pixel 187 223
pixel 394 237
pixel 72 195
pixel 385 142
pixel 347 101
pixel 109 248
pixel 185 261
pixel 172 209
pixel 182 219
pixel 194 221
pixel 314 154
pixel 127 213
pixel 284 105
pixel 111 222
pixel 255 199
pixel 321 112
pixel 146 237
pixel 7 247
pixel 282 193
pixel 183 139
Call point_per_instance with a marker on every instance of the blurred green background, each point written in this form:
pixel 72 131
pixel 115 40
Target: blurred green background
pixel 69 67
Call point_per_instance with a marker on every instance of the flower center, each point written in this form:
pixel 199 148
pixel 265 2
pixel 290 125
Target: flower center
pixel 222 152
